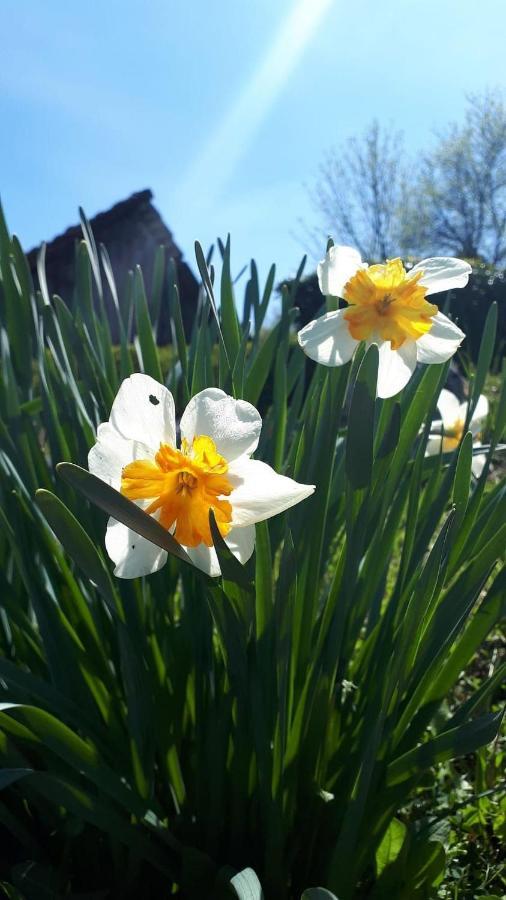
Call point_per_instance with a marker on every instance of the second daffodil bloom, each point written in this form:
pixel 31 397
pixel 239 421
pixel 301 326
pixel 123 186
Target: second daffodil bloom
pixel 386 306
pixel 447 432
pixel 136 453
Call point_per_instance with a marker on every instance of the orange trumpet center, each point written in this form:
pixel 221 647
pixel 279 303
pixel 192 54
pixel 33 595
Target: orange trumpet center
pixel 183 486
pixel 385 302
pixel 453 436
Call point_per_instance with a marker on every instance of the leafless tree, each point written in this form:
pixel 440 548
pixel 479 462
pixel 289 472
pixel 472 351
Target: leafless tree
pixel 453 202
pixel 461 192
pixel 360 193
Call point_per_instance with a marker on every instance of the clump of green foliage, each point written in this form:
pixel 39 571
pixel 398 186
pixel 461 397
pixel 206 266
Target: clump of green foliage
pixel 160 735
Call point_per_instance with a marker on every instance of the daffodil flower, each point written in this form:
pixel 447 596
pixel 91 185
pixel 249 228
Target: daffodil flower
pixel 447 432
pixel 386 306
pixel 136 453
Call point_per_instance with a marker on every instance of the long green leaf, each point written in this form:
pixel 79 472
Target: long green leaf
pixel 112 502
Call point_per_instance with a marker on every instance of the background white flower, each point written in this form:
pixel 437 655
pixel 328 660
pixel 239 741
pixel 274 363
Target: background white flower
pixel 448 431
pixel 136 453
pixel 387 306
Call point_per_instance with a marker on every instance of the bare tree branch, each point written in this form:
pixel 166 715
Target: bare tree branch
pixel 453 202
pixel 360 191
pixel 463 185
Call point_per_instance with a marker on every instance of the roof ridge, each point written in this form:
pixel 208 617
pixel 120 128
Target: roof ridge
pixel 137 199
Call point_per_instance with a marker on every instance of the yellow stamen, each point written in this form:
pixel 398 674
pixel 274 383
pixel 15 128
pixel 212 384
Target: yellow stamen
pixel 183 485
pixel 386 302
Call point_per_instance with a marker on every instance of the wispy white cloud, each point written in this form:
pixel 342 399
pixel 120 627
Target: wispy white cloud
pixel 234 134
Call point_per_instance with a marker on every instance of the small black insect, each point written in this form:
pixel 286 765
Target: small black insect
pixel 133 546
pixel 154 400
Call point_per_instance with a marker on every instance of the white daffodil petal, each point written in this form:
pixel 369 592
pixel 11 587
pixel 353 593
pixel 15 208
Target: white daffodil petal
pixel 108 456
pixel 441 342
pixel 133 555
pixel 463 411
pixel 442 273
pixel 339 265
pixel 241 542
pixel 327 340
pixel 112 452
pixel 478 464
pixel 434 445
pixel 144 411
pixel 234 425
pixel 395 367
pixel 205 559
pixel 479 415
pixel 449 407
pixel 259 492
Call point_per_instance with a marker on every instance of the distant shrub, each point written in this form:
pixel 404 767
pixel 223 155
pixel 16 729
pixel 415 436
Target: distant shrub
pixel 470 308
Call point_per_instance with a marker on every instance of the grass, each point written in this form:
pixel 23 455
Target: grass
pixel 465 801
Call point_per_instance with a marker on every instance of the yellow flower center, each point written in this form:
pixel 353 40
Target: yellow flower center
pixel 452 436
pixel 183 485
pixel 387 303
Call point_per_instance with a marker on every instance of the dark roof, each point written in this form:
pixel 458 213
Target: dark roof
pixel 137 207
pixel 132 231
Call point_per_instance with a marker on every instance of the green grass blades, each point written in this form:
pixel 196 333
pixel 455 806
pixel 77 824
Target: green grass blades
pixel 177 734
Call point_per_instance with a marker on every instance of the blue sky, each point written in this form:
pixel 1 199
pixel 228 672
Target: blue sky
pixel 224 109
